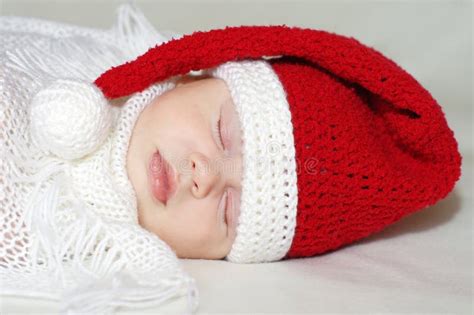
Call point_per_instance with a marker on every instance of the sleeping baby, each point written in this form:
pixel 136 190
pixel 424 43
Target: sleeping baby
pixel 251 144
pixel 185 163
pixel 280 157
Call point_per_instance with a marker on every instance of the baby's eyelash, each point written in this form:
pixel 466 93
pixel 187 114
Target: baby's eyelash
pixel 224 217
pixel 217 130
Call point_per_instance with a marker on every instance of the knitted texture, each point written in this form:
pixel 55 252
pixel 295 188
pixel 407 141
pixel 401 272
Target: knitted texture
pixel 267 217
pixel 371 165
pixel 69 224
pixel 371 143
pixel 54 132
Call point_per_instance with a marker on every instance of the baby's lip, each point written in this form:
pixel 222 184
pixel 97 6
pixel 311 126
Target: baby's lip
pixel 162 178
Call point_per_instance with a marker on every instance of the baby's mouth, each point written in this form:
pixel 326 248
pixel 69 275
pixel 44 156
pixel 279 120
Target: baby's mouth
pixel 161 177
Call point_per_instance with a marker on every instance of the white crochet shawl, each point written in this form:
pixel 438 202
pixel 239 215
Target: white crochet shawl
pixel 69 228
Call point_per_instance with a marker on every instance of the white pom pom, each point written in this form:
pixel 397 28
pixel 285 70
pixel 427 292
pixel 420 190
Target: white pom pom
pixel 70 118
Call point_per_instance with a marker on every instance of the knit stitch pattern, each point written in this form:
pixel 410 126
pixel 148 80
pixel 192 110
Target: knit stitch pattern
pixel 369 168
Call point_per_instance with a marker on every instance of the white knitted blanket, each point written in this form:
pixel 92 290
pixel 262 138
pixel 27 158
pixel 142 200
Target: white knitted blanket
pixel 69 228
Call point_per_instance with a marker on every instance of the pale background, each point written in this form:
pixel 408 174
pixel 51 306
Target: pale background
pixel 422 264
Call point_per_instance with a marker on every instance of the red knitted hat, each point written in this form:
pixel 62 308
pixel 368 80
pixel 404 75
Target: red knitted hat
pixel 361 143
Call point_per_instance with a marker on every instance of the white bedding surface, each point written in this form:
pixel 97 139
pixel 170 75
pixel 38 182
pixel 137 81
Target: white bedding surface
pixel 423 263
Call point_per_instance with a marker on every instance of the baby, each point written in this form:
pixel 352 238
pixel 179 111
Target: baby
pixel 184 162
pixel 331 149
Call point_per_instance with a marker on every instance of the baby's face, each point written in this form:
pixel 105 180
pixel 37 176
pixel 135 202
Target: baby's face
pixel 182 124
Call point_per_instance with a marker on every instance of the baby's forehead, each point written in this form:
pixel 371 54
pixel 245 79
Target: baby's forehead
pixel 204 86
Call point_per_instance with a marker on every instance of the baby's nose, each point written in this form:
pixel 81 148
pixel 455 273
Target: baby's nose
pixel 205 175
